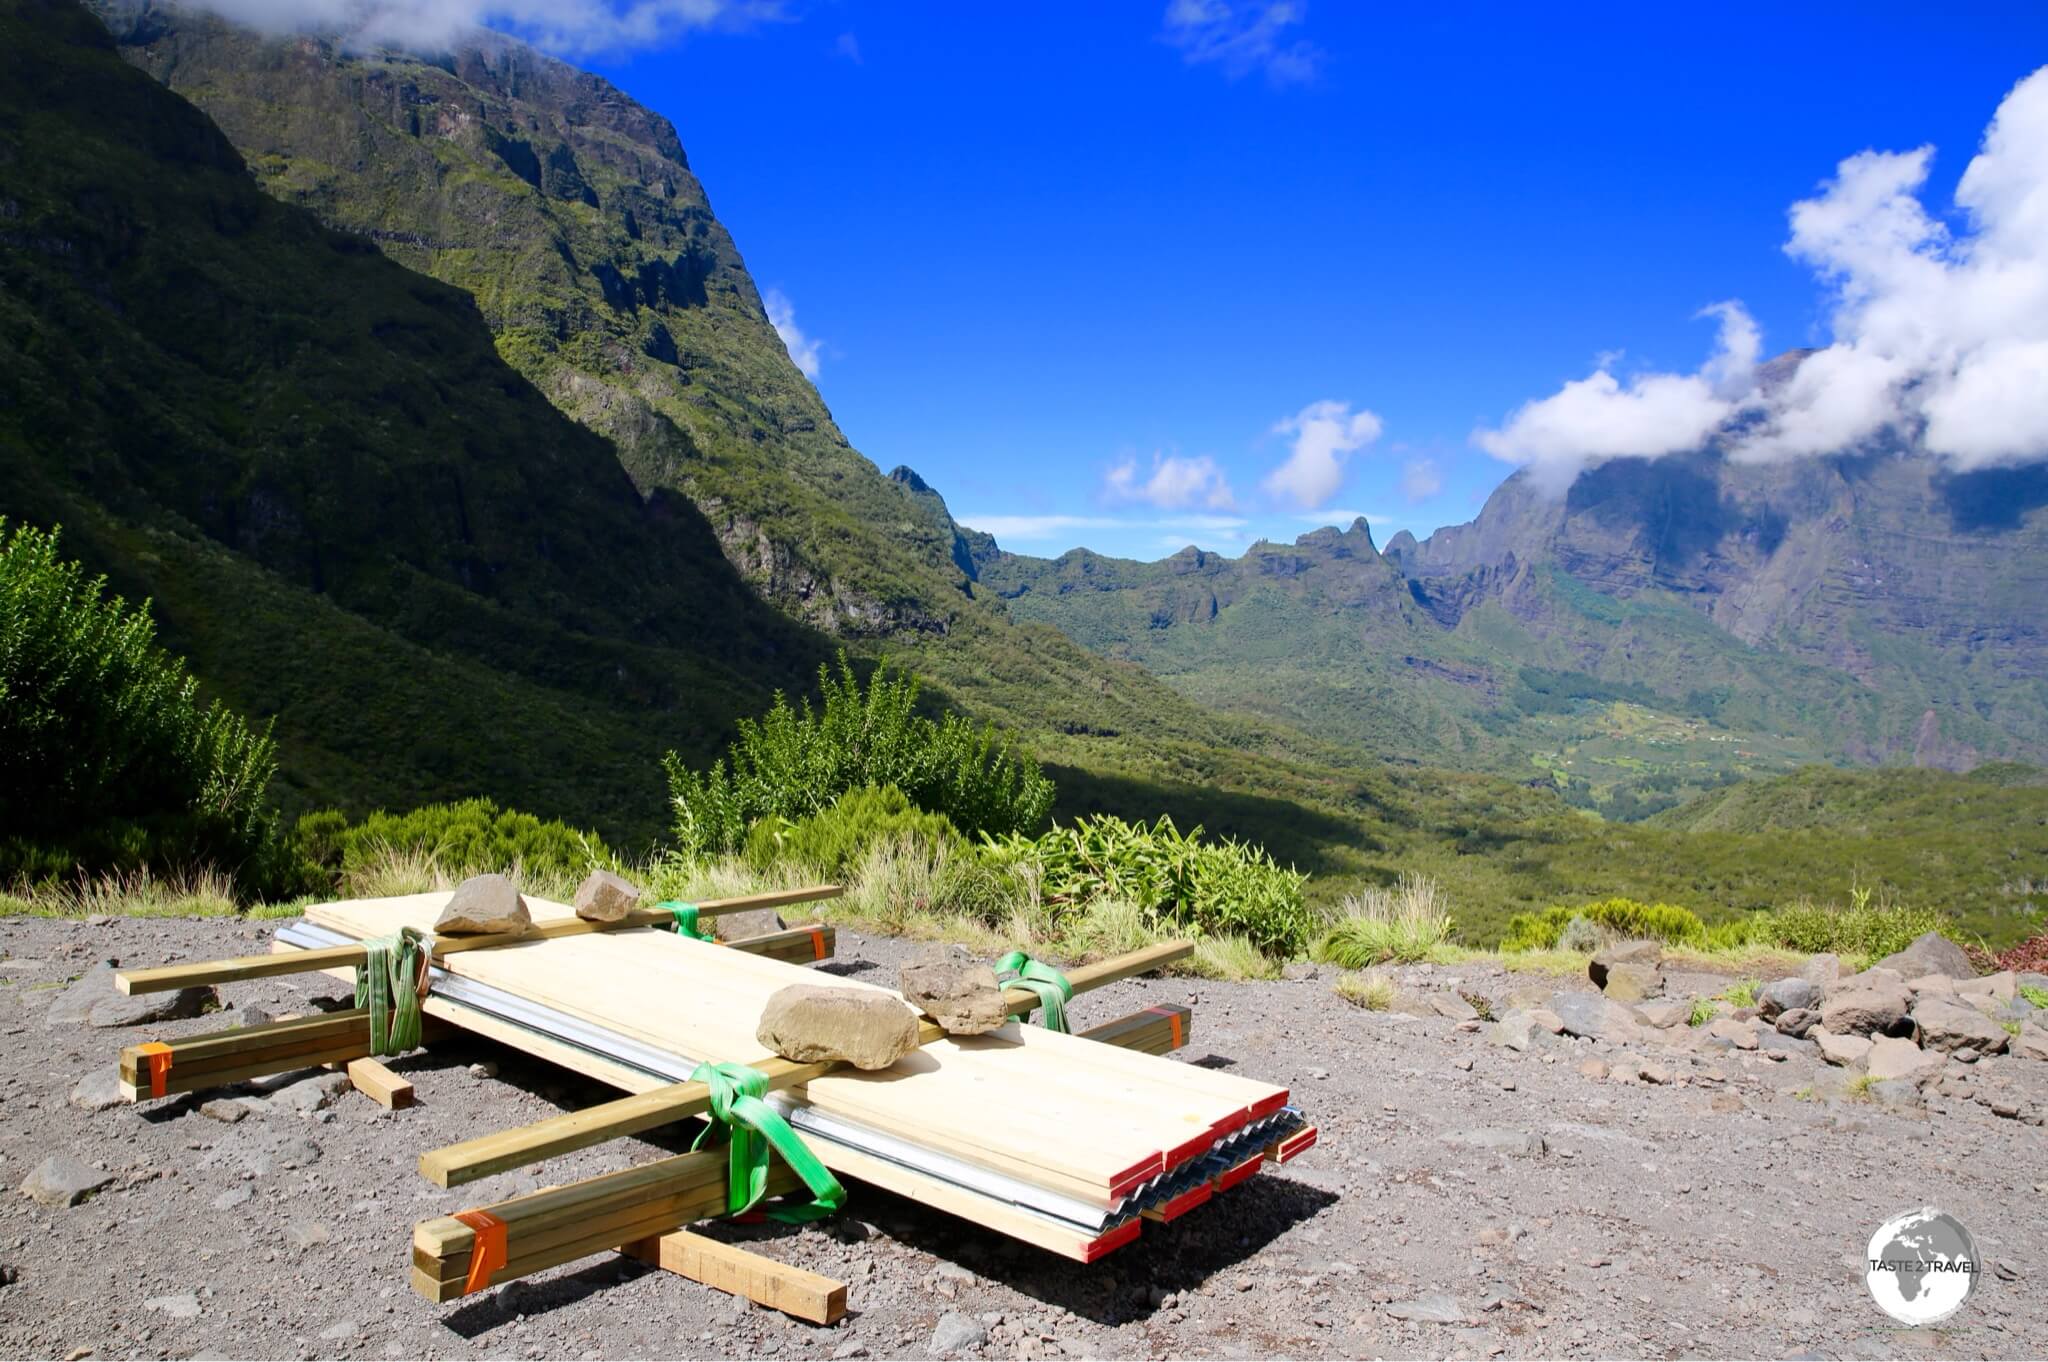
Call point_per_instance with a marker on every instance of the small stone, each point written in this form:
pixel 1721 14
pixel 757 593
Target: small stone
pixel 1740 1034
pixel 1499 1141
pixel 811 1023
pixel 341 1329
pixel 99 1089
pixel 754 922
pixel 225 1110
pixel 233 1197
pixel 1453 1007
pixel 1593 1015
pixel 1318 1075
pixel 1595 1069
pixel 1726 1103
pixel 484 905
pixel 63 1180
pixel 1666 1013
pixel 1786 995
pixel 184 1305
pixel 1656 1074
pixel 1797 1021
pixel 1428 1310
pixel 2005 1269
pixel 1898 1094
pixel 75 1004
pixel 605 896
pixel 307 1234
pixel 1893 1058
pixel 1543 1019
pixel 1463 1063
pixel 1931 983
pixel 143 1009
pixel 1297 971
pixel 1844 1050
pixel 484 1069
pixel 957 1333
pixel 2030 1043
pixel 955 990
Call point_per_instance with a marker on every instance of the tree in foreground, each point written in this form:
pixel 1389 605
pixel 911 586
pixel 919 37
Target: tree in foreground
pixel 108 760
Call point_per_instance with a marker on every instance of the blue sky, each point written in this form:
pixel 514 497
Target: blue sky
pixel 1110 279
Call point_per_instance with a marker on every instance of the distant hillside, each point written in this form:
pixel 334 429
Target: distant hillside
pixel 1663 629
pixel 2003 802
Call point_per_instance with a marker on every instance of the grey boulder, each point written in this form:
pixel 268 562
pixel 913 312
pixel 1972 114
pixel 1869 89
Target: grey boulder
pixel 1594 1015
pixel 1930 953
pixel 140 1009
pixel 1862 1011
pixel 1798 1021
pixel 63 1180
pixel 484 905
pixel 99 1089
pixel 812 1024
pixel 1629 972
pixel 1952 1027
pixel 606 897
pixel 1787 995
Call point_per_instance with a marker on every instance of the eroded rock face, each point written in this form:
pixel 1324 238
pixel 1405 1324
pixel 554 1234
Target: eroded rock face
pixel 484 905
pixel 812 1024
pixel 1930 953
pixel 606 897
pixel 955 990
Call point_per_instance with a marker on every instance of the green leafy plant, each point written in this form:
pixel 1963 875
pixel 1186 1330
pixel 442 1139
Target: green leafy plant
pixel 1865 928
pixel 438 843
pixel 834 838
pixel 2037 996
pixel 794 762
pixel 1618 917
pixel 1404 923
pixel 1703 1011
pixel 1227 887
pixel 108 759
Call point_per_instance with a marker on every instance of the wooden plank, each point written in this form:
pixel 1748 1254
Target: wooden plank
pixel 804 944
pixel 453 1165
pixel 1152 1031
pixel 167 977
pixel 741 1272
pixel 379 1084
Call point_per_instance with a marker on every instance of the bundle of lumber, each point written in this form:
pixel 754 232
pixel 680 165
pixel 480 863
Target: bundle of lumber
pixel 1051 1137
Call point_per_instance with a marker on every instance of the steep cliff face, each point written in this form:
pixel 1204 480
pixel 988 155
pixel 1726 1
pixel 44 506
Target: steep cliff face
pixel 570 214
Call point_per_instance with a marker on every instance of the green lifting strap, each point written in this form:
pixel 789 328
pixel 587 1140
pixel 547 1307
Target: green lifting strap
pixel 388 982
pixel 685 915
pixel 753 1126
pixel 1049 984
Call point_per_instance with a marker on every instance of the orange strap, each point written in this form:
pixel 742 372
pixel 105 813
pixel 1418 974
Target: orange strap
pixel 488 1255
pixel 1173 1018
pixel 158 1055
pixel 818 951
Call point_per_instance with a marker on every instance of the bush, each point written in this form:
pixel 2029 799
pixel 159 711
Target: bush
pixel 830 841
pixel 1227 887
pixel 108 760
pixel 448 842
pixel 1624 918
pixel 1404 924
pixel 792 764
pixel 1864 928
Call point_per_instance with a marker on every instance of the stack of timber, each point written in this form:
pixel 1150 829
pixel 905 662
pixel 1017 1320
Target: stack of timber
pixel 1055 1139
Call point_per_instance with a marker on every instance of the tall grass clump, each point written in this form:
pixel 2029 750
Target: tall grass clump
pixel 1370 990
pixel 1402 923
pixel 140 892
pixel 1617 919
pixel 109 762
pixel 794 762
pixel 1179 881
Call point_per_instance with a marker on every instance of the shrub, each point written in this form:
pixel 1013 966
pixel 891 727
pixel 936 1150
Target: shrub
pixel 445 843
pixel 108 760
pixel 1227 887
pixel 1404 923
pixel 1581 936
pixel 1626 918
pixel 1864 928
pixel 1232 957
pixel 794 763
pixel 834 838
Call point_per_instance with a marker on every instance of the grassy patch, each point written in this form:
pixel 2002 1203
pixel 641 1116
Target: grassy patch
pixel 136 893
pixel 1371 991
pixel 1403 923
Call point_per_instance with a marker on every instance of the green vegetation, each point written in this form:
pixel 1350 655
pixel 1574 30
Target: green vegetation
pixel 1405 923
pixel 1371 991
pixel 793 763
pixel 447 843
pixel 1180 881
pixel 108 760
pixel 2037 996
pixel 838 836
pixel 1620 919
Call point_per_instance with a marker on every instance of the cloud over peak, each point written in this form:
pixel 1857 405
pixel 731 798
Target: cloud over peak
pixel 570 27
pixel 1325 435
pixel 1939 337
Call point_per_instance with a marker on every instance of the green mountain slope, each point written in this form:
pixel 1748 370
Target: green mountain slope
pixel 351 514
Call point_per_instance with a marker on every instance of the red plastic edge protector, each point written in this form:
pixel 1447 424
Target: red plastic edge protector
pixel 1186 1201
pixel 1143 1171
pixel 1225 1181
pixel 1266 1106
pixel 1300 1142
pixel 1115 1239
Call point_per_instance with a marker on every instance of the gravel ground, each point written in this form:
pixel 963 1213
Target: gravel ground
pixel 1465 1200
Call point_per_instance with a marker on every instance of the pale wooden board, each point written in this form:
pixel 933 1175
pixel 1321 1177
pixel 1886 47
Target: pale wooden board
pixel 1074 1115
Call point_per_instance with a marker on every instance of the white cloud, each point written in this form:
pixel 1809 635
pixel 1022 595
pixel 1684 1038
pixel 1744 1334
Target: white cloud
pixel 1326 434
pixel 1338 516
pixel 1599 417
pixel 1038 528
pixel 782 316
pixel 1421 479
pixel 1241 38
pixel 568 26
pixel 1938 337
pixel 1174 483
